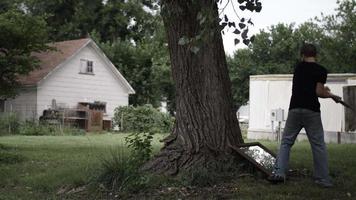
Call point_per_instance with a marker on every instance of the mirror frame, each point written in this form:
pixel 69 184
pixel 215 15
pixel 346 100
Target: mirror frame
pixel 250 159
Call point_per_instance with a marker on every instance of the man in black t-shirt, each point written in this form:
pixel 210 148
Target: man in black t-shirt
pixel 304 112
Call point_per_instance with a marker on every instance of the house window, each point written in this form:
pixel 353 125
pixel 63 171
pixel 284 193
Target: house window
pixel 86 66
pixel 2 105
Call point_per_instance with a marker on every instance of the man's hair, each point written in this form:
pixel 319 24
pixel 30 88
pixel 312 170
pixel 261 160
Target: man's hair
pixel 308 50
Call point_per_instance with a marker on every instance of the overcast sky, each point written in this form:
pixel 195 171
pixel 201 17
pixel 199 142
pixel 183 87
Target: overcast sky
pixel 279 11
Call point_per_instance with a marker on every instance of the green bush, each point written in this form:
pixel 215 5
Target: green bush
pixel 142 119
pixel 9 123
pixel 33 128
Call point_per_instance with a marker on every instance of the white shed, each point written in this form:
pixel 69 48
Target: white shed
pixel 77 71
pixel 268 92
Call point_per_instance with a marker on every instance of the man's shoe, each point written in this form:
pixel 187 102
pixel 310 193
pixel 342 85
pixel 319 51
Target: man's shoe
pixel 324 183
pixel 276 178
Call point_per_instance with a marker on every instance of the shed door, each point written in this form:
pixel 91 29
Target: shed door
pixel 350 116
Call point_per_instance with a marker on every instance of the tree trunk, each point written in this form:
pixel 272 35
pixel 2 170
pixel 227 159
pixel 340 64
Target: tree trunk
pixel 206 124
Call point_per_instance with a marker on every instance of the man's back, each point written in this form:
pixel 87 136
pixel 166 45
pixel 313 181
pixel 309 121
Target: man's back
pixel 306 76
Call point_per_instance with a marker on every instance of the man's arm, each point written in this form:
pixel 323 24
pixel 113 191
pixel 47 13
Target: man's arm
pixel 324 92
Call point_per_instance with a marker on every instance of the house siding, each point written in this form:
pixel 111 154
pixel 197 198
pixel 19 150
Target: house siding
pixel 68 86
pixel 24 104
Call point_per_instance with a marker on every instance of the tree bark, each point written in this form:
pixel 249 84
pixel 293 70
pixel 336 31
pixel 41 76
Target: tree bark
pixel 206 124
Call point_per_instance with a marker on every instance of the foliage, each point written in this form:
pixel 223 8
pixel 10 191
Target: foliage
pixel 135 63
pixel 141 146
pixel 36 129
pixel 9 123
pixel 20 35
pixel 32 128
pixel 120 174
pixel 339 42
pixel 76 19
pixel 142 119
pixel 240 69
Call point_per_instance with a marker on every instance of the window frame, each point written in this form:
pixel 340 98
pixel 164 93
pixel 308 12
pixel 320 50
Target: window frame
pixel 86 67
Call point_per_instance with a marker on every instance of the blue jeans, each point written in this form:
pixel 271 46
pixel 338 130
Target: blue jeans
pixel 311 121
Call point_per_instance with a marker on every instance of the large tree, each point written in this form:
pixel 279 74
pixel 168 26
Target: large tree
pixel 20 35
pixel 206 125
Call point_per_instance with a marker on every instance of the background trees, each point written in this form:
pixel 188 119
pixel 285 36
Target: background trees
pixel 20 35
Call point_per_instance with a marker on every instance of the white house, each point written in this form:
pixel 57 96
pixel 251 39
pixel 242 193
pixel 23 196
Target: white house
pixel 77 71
pixel 268 92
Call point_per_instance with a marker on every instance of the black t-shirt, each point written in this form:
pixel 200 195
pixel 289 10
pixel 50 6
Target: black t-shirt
pixel 306 75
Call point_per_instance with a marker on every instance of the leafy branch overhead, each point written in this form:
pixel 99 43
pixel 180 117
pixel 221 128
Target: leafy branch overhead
pixel 208 23
pixel 226 22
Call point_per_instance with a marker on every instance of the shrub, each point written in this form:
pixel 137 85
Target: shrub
pixel 33 128
pixel 9 123
pixel 142 119
pixel 140 143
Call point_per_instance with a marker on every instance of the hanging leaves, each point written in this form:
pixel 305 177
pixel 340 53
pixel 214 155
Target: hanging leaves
pixel 236 41
pixel 237 31
pixel 246 41
pixel 232 24
pixel 226 19
pixel 242 25
pixel 244 34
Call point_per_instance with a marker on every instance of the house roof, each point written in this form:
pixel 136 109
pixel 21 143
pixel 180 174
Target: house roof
pixel 50 59
pixel 64 51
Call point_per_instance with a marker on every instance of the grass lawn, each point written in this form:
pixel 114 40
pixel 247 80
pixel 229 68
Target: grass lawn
pixel 48 163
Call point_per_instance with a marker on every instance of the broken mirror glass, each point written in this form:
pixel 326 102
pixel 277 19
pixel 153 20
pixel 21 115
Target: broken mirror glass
pixel 258 155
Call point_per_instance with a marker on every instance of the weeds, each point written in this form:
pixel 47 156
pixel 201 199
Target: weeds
pixel 120 172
